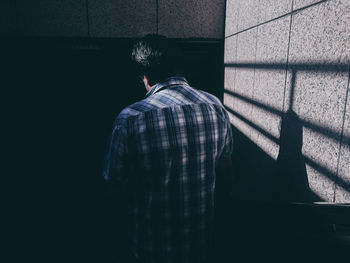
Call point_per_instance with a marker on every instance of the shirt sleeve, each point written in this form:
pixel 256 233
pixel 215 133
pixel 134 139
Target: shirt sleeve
pixel 114 171
pixel 228 143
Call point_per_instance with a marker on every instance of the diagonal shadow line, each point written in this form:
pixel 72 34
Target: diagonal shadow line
pixel 325 171
pixel 319 129
pixel 324 131
pixel 330 175
pixel 316 67
pixel 336 179
pixel 258 104
pixel 253 125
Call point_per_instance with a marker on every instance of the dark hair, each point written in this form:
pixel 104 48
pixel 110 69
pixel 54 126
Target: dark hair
pixel 157 58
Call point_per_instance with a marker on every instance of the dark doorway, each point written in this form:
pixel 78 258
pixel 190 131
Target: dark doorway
pixel 64 95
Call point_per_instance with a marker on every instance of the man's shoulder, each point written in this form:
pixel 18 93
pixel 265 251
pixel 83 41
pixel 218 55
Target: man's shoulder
pixel 212 99
pixel 161 100
pixel 134 110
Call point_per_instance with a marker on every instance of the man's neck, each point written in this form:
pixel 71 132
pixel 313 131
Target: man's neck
pixel 147 86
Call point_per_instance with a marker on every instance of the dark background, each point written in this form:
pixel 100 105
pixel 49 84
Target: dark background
pixel 61 97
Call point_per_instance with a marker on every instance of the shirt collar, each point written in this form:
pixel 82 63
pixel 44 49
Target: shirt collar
pixel 164 84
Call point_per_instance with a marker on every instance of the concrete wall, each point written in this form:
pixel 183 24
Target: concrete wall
pixel 289 60
pixel 112 18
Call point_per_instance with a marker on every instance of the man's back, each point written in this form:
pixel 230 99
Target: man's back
pixel 164 150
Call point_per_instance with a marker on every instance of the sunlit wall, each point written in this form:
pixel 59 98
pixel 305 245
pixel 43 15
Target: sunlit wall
pixel 289 60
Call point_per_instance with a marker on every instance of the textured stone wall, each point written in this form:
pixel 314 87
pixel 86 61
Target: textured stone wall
pixel 289 60
pixel 112 18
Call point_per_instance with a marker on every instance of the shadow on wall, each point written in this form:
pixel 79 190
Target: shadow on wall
pixel 291 169
pixel 261 177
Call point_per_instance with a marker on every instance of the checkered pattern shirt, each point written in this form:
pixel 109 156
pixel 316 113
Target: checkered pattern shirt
pixel 164 150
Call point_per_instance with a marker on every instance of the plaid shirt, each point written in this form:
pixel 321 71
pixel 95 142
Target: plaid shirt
pixel 164 150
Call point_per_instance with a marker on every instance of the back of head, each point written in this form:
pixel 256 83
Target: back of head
pixel 157 58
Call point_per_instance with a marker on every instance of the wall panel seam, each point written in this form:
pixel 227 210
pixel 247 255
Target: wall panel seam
pixel 225 10
pixel 157 16
pixel 287 59
pixel 279 17
pixel 341 137
pixel 256 51
pixel 87 17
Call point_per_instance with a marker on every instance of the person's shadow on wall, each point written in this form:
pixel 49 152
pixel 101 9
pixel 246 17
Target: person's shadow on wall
pixel 291 169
